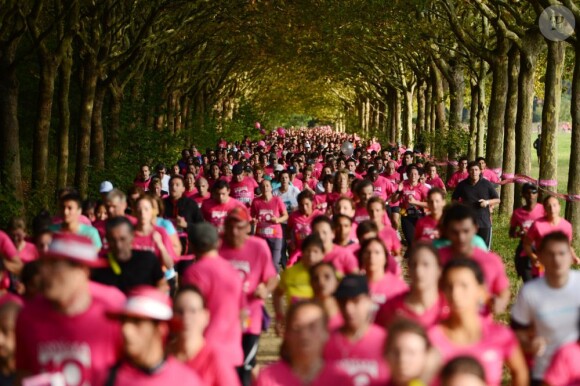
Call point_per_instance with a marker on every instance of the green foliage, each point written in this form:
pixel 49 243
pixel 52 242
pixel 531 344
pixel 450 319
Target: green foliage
pixel 452 142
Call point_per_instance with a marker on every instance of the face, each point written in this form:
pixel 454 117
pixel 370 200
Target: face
pixel 202 186
pixel 306 334
pixel 482 164
pixel 424 270
pixel 236 232
pixel 188 308
pixel 474 173
pixel 391 167
pixel 328 186
pixel 312 255
pixel 157 189
pixel 374 175
pixel 343 228
pixel 463 165
pixel 379 163
pixel 305 206
pixel 144 211
pixel 266 187
pixel 414 175
pixel 43 242
pixel 176 188
pixel 161 173
pixel 552 207
pixel 7 333
pixel 556 258
pixel 221 195
pixel 436 203
pixel 462 291
pixel 138 336
pixel 432 172
pixel 258 173
pixel 18 236
pixel 101 213
pixel 189 181
pixel 285 179
pixel 325 232
pixel 324 281
pixel 343 182
pixel 461 233
pixel 366 193
pixel 356 311
pixel 351 166
pixel 408 159
pixel 531 196
pixel 214 171
pixel 345 208
pixel 70 211
pixel 145 172
pixel 116 207
pixel 61 279
pixel 374 258
pixel 376 212
pixel 120 240
pixel 407 357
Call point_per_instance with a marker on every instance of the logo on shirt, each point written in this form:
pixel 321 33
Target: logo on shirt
pixel 362 371
pixel 72 360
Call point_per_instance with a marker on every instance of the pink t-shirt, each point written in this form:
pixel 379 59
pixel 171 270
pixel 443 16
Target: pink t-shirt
pixel 311 183
pixel 497 344
pixel 139 183
pixel 28 253
pixel 321 201
pixel 332 198
pixel 435 182
pixel 143 242
pixel 361 214
pixel 490 175
pixel 386 289
pixel 172 372
pixel 200 199
pixel 298 183
pixel 541 227
pixel 342 259
pixel 253 261
pixel 419 192
pixel 281 374
pixel 211 369
pixel 456 178
pixel 80 346
pixel 221 286
pixel 263 211
pixel 395 177
pixel 363 359
pixel 384 187
pixel 243 191
pixel 7 248
pixel 524 219
pixel 491 264
pixel 216 213
pixel 299 226
pixel 427 228
pixel 564 369
pixel 396 308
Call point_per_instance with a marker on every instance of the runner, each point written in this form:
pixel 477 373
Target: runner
pixel 217 207
pixel 427 227
pixel 324 282
pixel 461 174
pixel 342 259
pixel 70 213
pixel 299 224
pixel 463 371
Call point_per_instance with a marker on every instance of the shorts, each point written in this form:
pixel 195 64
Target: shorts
pixel 395 209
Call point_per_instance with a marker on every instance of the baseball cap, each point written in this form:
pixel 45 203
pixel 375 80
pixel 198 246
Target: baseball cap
pixel 239 214
pixel 76 248
pixel 238 169
pixel 105 187
pixel 529 187
pixel 279 168
pixel 291 170
pixel 352 286
pixel 145 302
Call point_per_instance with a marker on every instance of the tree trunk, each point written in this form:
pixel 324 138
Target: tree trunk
pixel 471 149
pixel 509 139
pixel 428 116
pixel 481 110
pixel 11 175
pixel 439 100
pixel 550 114
pixel 48 68
pixel 115 125
pixel 88 88
pixel 496 118
pixel 64 119
pixel 421 111
pixel 97 132
pixel 367 115
pixel 531 46
pixel 573 207
pixel 408 138
pixel 398 110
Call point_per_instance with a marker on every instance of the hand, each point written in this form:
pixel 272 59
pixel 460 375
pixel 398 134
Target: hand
pixel 261 291
pixel 483 203
pixel 537 346
pixel 180 221
pixel 411 199
pixel 279 326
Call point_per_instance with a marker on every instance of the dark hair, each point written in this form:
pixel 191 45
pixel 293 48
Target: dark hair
pixel 219 185
pixel 72 197
pixel 328 178
pixel 320 219
pixel 402 326
pixel 365 227
pixel 461 159
pixel 439 191
pixel 89 204
pixel 462 365
pixel 412 167
pixel 547 198
pixel 291 314
pixel 337 217
pixel 465 263
pixel 305 194
pixel 362 184
pixel 311 241
pixel 191 288
pixel 420 245
pixel 375 200
pixel 473 164
pixel 457 212
pixel 479 159
pixel 321 264
pixel 117 221
pixel 365 244
pixel 553 237
pixel 177 177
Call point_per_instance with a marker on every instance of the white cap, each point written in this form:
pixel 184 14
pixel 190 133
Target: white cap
pixel 105 187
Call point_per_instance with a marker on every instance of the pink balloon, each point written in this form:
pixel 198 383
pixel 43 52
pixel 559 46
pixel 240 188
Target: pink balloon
pixel 262 143
pixel 257 125
pixel 281 131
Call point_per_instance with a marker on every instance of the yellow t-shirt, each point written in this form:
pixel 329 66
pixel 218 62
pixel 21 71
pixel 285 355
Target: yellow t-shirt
pixel 295 281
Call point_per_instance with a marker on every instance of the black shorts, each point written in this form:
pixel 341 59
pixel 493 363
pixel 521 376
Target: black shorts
pixel 395 209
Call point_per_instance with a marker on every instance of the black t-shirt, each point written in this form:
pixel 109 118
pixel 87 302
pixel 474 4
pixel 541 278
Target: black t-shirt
pixel 471 194
pixel 184 207
pixel 142 268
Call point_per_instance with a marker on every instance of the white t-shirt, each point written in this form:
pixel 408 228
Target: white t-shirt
pixel 555 313
pixel 289 197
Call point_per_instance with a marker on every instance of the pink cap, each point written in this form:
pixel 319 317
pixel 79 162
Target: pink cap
pixel 77 248
pixel 145 302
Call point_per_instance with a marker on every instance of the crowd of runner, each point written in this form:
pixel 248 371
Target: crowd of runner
pixel 375 276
